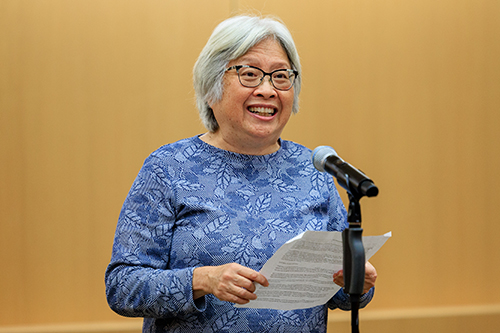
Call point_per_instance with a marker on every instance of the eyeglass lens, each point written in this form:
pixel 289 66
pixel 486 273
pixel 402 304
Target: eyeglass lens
pixel 252 77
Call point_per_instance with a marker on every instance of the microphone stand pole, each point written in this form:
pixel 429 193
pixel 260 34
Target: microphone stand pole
pixel 354 259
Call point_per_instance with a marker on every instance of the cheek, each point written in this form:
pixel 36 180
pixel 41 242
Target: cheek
pixel 234 96
pixel 225 111
pixel 288 101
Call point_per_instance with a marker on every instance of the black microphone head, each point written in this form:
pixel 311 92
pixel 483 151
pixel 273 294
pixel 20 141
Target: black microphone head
pixel 368 188
pixel 319 156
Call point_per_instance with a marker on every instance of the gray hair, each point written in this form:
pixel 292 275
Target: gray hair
pixel 230 40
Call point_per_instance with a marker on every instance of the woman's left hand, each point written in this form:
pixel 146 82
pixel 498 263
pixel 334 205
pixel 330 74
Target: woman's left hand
pixel 370 277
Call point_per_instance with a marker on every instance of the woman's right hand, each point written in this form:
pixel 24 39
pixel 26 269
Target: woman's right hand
pixel 230 282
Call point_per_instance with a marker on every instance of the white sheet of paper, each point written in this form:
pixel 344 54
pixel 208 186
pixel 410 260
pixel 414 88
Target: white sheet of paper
pixel 300 273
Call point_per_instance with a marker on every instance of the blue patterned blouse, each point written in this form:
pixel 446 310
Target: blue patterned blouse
pixel 196 205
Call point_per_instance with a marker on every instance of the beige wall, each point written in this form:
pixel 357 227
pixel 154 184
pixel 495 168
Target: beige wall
pixel 409 91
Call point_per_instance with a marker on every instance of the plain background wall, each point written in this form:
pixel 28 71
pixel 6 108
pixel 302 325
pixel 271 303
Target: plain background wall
pixel 409 91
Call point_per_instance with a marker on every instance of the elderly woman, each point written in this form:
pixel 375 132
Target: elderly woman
pixel 205 213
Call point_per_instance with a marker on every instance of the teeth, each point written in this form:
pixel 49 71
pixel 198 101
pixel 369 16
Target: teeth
pixel 261 111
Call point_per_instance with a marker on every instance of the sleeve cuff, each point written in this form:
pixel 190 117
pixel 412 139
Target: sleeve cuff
pixel 200 304
pixel 342 300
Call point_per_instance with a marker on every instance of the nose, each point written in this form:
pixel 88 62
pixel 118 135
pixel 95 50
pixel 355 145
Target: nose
pixel 265 88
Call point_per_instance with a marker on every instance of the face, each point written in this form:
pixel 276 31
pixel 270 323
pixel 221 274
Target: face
pixel 251 119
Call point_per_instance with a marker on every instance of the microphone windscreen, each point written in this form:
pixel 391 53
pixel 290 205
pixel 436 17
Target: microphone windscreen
pixel 319 156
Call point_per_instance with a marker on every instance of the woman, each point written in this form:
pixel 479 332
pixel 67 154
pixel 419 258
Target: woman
pixel 205 213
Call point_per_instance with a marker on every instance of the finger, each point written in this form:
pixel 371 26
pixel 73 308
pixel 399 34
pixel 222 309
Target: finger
pixel 371 272
pixel 370 277
pixel 242 282
pixel 233 293
pixel 339 282
pixel 338 278
pixel 237 283
pixel 244 294
pixel 253 276
pixel 236 298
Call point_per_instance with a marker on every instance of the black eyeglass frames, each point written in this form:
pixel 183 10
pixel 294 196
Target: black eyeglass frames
pixel 251 77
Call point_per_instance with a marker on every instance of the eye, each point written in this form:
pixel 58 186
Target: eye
pixel 249 72
pixel 281 75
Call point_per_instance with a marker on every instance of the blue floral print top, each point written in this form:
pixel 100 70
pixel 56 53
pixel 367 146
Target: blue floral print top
pixel 194 205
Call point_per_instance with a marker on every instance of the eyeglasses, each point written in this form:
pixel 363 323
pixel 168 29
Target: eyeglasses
pixel 251 77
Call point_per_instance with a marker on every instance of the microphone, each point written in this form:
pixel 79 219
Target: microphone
pixel 353 180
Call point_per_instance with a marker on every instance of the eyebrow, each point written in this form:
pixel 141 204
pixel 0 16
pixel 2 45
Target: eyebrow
pixel 280 63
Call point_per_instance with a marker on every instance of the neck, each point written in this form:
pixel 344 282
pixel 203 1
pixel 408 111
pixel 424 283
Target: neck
pixel 253 148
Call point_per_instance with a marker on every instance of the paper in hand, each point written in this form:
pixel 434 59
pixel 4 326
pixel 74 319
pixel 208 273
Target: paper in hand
pixel 300 273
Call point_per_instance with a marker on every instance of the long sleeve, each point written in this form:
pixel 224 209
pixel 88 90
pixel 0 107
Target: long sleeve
pixel 195 205
pixel 138 281
pixel 341 300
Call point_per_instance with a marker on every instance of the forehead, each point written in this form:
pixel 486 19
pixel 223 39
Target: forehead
pixel 268 52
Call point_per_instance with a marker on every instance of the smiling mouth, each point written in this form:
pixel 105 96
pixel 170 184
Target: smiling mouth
pixel 264 112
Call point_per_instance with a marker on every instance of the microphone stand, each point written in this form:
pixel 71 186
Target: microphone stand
pixel 357 185
pixel 352 243
pixel 354 259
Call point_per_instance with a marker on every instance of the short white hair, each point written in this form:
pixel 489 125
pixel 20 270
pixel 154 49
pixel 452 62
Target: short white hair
pixel 230 40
